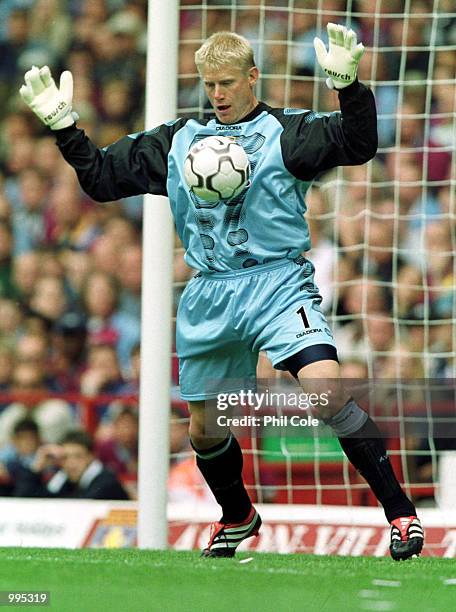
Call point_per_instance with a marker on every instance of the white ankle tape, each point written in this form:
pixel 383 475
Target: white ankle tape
pixel 348 420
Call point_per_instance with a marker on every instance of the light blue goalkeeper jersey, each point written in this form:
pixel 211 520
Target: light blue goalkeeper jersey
pixel 264 223
pixel 287 148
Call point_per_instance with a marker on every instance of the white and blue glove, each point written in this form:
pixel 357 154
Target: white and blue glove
pixel 341 60
pixel 52 105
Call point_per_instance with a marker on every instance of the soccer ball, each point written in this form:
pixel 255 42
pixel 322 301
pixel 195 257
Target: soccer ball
pixel 216 168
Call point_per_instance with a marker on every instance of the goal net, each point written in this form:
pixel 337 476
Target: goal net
pixel 383 234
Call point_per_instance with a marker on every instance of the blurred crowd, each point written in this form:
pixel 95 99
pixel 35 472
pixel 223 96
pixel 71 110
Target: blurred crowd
pixel 70 269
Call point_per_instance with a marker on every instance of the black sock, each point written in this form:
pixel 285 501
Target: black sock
pixel 366 451
pixel 221 467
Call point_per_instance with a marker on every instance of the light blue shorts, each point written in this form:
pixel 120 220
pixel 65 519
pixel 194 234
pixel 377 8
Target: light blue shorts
pixel 225 319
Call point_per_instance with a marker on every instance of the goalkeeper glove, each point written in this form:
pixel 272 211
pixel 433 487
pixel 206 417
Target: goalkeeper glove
pixel 341 61
pixel 50 104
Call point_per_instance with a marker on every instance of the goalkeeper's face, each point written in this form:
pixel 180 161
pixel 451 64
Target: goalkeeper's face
pixel 231 92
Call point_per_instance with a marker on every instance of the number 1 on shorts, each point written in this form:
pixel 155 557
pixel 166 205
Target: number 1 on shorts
pixel 305 320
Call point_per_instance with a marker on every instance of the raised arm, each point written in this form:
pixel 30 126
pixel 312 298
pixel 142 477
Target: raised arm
pixel 134 165
pixel 313 142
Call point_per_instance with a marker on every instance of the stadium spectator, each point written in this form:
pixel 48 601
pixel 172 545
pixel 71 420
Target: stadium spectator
pixel 375 68
pixel 365 295
pixel 323 253
pixel 371 339
pixel 116 104
pixel 441 135
pixel 105 255
pixel 10 322
pixel 447 199
pixel 378 232
pixel 189 87
pixel 302 89
pixel 103 375
pixel 29 220
pixel 26 269
pixel 129 276
pixel 80 474
pixel 48 300
pixel 116 48
pixel 417 207
pixel 411 124
pixel 76 265
pixel 72 225
pixel 122 231
pixel 345 195
pixel 305 29
pixel 19 452
pixel 46 158
pixel 34 348
pixel 119 450
pixel 6 273
pixel 5 209
pixel 412 330
pixel 11 49
pixel 68 352
pixel 354 368
pixel 105 322
pixel 6 368
pixel 50 25
pixel 51 264
pixel 413 34
pixel 15 127
pixel 53 416
pixel 409 290
pixel 402 364
pixel 132 377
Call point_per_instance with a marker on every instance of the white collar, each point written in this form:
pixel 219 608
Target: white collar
pixel 92 471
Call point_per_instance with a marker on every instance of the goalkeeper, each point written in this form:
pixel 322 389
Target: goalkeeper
pixel 254 290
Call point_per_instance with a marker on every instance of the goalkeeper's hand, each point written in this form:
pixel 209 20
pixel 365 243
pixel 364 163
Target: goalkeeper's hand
pixel 341 61
pixel 49 103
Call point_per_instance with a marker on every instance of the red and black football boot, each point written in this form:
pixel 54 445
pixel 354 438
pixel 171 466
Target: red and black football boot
pixel 407 538
pixel 226 537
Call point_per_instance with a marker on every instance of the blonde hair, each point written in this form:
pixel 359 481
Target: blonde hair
pixel 225 48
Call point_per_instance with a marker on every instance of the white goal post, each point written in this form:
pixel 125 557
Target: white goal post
pixel 161 96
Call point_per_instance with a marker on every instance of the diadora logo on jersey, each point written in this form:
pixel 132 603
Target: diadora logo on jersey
pixel 294 111
pixel 317 330
pixel 227 128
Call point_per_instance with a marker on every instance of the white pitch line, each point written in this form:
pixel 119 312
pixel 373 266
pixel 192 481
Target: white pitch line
pixel 246 560
pixel 368 594
pixel 449 581
pixel 386 583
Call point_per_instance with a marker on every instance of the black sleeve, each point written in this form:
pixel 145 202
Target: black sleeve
pixel 29 484
pixel 104 486
pixel 133 165
pixel 312 142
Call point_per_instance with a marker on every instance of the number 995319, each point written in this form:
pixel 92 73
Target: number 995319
pixel 37 598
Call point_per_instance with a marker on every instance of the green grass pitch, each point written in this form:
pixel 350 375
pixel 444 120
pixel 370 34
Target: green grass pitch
pixel 142 581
